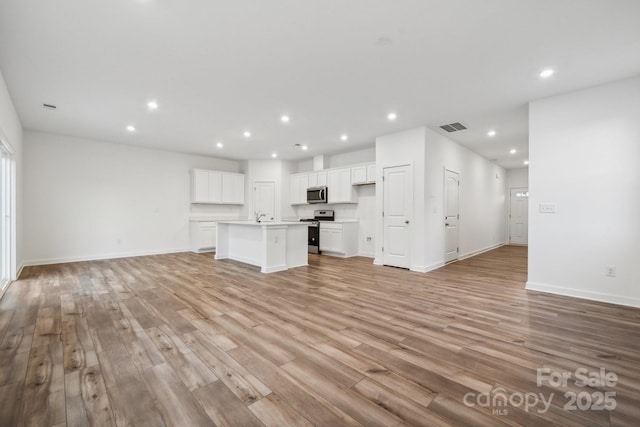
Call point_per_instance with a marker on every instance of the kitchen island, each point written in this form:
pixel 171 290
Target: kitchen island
pixel 272 246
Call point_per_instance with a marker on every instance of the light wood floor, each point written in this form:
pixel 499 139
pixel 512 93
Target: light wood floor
pixel 184 340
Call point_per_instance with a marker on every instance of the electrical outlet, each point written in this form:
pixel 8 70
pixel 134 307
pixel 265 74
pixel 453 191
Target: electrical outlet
pixel 547 208
pixel 610 271
pixel 369 239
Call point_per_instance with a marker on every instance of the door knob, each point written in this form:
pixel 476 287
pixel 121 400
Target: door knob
pixel 446 223
pixel 406 221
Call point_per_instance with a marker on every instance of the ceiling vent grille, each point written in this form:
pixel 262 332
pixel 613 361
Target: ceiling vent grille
pixel 453 127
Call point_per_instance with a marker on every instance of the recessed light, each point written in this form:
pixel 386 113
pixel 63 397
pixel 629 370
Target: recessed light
pixel 491 133
pixel 392 116
pixel 247 134
pixel 152 105
pixel 513 151
pixel 274 155
pixel 304 148
pixel 284 119
pixel 219 145
pixel 526 162
pixel 547 73
pixel 344 137
pixel 131 128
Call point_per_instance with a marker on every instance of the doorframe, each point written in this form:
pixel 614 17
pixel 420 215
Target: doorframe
pixel 509 218
pixel 444 207
pixel 380 240
pixel 10 186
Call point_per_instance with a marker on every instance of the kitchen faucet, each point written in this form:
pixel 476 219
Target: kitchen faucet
pixel 259 216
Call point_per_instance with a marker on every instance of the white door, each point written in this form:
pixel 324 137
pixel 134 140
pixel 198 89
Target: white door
pixel 451 214
pixel 398 206
pixel 519 216
pixel 264 200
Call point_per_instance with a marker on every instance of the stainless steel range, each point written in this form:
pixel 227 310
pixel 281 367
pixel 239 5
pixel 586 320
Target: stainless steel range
pixel 314 228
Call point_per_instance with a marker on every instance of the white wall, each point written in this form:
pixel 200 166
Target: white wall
pixel 11 133
pixel 87 199
pixel 482 199
pixel 518 178
pixel 584 150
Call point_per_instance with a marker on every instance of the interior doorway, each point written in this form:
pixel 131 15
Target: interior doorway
pixel 397 210
pixel 264 200
pixel 451 215
pixel 519 216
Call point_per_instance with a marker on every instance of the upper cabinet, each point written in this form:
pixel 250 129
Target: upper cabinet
pixel 339 182
pixel 215 187
pixel 317 179
pixel 299 184
pixel 363 174
pixel 339 186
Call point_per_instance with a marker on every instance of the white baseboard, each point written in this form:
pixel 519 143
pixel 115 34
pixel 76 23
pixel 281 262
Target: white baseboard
pixel 376 261
pixel 366 254
pixel 577 293
pixel 101 257
pixel 19 272
pixel 426 268
pixel 479 251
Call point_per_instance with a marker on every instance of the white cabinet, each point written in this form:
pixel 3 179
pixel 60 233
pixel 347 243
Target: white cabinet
pixel 339 186
pixel 339 239
pixel 371 173
pixel 215 187
pixel 202 236
pixel 317 179
pixel 232 188
pixel 206 186
pixel 363 174
pixel 299 184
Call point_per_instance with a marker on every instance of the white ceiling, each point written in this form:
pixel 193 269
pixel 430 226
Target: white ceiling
pixel 219 68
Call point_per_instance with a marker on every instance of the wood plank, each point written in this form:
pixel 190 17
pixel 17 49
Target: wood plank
pixel 274 412
pixel 174 402
pixel 43 400
pixel 223 407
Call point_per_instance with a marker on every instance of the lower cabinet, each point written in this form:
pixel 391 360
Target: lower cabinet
pixel 340 239
pixel 203 236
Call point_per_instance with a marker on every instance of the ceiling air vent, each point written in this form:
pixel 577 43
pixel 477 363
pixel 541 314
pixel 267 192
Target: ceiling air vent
pixel 453 127
pixel 49 106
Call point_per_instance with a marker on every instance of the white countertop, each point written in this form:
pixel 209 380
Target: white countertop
pixel 265 223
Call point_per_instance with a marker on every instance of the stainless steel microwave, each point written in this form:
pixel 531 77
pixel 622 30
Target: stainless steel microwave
pixel 317 194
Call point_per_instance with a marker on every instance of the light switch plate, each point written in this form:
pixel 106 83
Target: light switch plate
pixel 547 208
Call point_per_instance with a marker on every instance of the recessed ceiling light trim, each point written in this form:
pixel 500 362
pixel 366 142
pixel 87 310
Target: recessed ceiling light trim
pixel 152 105
pixel 546 73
